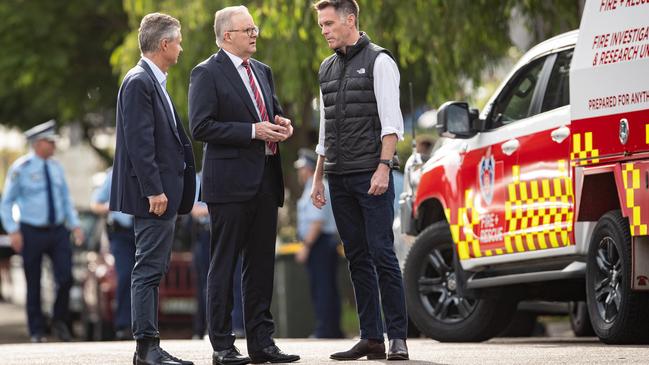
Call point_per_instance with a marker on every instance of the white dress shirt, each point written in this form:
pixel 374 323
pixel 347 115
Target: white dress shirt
pixel 238 64
pixel 386 92
pixel 162 80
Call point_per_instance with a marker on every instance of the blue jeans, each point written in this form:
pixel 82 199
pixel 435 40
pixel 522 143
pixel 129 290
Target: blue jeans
pixel 153 240
pixel 365 225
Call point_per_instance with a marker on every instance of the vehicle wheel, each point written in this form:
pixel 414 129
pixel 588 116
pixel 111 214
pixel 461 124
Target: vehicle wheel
pixel 580 320
pixel 618 315
pixel 433 302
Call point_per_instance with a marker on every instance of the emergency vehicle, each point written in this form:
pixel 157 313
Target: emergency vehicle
pixel 544 195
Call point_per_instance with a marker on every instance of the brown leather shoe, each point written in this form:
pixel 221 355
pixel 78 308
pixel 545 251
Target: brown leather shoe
pixel 373 349
pixel 398 350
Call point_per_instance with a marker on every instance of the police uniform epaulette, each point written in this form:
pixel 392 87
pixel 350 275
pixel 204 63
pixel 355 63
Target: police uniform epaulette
pixel 19 163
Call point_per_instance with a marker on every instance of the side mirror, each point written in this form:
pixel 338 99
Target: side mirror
pixel 456 118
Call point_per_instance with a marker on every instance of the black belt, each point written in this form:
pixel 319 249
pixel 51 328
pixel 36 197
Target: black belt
pixel 43 228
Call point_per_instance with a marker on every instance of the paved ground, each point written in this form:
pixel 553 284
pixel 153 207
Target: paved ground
pixel 501 351
pixel 560 348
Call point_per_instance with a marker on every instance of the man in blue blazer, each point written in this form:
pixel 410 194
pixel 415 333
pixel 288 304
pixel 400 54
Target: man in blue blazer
pixel 234 111
pixel 153 175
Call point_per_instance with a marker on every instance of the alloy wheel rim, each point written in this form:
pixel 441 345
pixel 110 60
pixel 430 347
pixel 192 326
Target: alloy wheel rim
pixel 608 280
pixel 437 287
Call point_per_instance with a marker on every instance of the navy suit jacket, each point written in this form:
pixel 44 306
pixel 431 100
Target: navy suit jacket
pixel 221 114
pixel 152 155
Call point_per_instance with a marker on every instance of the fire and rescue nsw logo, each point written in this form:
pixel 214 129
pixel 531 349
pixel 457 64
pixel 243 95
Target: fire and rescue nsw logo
pixel 486 177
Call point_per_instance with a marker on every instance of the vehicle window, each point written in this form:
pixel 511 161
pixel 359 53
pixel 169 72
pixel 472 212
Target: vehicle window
pixel 516 102
pixel 557 93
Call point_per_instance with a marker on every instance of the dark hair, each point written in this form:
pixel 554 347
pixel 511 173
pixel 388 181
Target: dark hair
pixel 342 7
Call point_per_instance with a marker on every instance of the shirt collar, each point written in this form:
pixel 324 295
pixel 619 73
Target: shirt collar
pixel 236 60
pixel 157 72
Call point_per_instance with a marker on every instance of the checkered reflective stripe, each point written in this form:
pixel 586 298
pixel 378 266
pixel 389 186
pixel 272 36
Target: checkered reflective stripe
pixel 583 152
pixel 538 215
pixel 631 181
pixel 538 212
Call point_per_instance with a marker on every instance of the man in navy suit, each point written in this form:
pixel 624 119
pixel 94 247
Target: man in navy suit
pixel 234 111
pixel 153 175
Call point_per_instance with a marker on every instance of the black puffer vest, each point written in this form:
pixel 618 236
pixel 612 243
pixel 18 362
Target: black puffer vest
pixel 352 125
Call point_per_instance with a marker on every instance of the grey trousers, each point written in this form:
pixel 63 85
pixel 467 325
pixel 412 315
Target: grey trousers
pixel 153 240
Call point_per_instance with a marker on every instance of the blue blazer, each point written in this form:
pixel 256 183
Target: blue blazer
pixel 221 114
pixel 152 155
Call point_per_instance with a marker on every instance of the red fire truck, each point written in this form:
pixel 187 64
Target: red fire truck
pixel 544 195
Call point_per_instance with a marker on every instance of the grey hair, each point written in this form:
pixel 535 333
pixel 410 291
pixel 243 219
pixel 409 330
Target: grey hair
pixel 154 28
pixel 223 20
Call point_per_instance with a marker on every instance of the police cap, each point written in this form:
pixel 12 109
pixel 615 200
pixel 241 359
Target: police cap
pixel 307 158
pixel 45 130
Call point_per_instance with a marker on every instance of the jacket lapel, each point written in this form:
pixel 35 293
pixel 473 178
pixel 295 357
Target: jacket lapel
pixel 233 77
pixel 163 99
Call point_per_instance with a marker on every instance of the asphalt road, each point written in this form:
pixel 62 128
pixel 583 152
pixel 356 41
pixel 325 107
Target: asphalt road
pixel 559 348
pixel 422 351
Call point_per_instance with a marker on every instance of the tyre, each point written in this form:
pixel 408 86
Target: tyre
pixel 433 302
pixel 618 315
pixel 580 320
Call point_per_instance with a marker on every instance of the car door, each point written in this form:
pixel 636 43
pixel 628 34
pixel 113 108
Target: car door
pixel 490 167
pixel 541 199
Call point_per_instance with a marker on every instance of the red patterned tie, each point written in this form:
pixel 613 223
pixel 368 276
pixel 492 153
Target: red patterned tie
pixel 272 146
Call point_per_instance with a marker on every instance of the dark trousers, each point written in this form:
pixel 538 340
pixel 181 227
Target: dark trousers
pixel 201 260
pixel 54 242
pixel 365 225
pixel 247 228
pixel 323 269
pixel 122 246
pixel 153 240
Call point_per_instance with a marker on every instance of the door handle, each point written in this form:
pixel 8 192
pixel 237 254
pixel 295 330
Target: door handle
pixel 510 146
pixel 560 134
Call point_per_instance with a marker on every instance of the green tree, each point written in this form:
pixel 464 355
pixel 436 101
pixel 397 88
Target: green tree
pixel 55 61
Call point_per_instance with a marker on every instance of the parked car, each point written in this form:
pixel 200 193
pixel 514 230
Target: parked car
pixel 541 196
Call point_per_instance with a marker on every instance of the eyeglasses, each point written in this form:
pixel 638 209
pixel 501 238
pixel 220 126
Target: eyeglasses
pixel 250 31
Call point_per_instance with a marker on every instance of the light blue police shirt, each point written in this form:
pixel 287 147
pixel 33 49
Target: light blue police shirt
pixel 102 196
pixel 26 187
pixel 205 219
pixel 307 213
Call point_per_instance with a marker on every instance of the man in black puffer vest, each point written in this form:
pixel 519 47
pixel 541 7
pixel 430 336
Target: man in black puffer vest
pixel 360 124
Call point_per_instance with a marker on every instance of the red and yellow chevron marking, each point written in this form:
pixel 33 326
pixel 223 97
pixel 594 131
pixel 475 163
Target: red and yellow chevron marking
pixel 631 181
pixel 463 226
pixel 538 212
pixel 584 153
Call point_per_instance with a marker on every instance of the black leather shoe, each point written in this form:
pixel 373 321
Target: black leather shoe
pixel 398 350
pixel 230 356
pixel 148 352
pixel 271 354
pixel 61 331
pixel 373 349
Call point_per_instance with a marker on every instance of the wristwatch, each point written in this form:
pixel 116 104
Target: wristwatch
pixel 390 163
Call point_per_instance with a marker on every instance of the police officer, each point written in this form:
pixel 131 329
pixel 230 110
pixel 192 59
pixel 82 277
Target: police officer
pixel 122 245
pixel 36 184
pixel 317 230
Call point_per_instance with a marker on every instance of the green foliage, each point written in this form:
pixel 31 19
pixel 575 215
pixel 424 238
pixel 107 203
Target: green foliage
pixel 54 60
